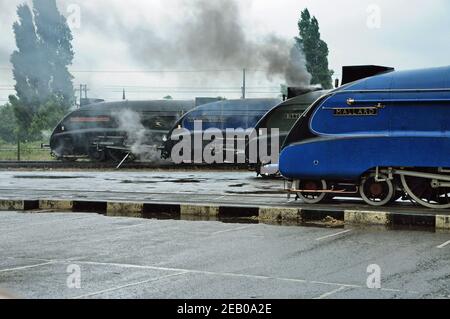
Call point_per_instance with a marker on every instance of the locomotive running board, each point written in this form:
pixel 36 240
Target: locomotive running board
pixel 328 191
pixel 323 191
pixel 418 174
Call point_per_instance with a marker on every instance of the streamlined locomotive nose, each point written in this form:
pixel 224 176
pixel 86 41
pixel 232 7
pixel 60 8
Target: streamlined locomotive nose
pixel 374 137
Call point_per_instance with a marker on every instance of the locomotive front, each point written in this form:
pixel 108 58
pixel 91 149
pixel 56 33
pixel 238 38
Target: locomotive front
pixel 381 138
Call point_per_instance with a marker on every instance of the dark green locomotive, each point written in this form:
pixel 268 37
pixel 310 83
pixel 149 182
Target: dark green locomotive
pixel 110 131
pixel 282 118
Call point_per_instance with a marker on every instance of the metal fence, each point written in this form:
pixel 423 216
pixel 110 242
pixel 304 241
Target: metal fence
pixel 24 153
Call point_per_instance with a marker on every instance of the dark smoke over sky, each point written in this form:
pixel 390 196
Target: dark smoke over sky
pixel 207 35
pixel 212 35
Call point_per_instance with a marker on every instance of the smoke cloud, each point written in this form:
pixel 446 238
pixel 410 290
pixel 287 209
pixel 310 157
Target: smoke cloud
pixel 212 35
pixel 204 35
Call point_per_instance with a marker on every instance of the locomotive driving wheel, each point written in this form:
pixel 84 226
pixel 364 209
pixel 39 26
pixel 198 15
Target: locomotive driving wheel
pixel 311 191
pixel 377 192
pixel 96 154
pixel 421 190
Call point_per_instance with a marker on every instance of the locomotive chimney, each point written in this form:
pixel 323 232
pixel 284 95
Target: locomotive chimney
pixel 297 91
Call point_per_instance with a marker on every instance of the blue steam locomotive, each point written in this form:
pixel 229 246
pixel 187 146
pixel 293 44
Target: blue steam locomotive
pixel 222 115
pixel 381 138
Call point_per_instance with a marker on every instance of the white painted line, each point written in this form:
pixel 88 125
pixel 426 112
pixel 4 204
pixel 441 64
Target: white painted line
pixel 329 294
pixel 127 286
pixel 325 283
pixel 231 230
pixel 334 235
pixel 444 245
pixel 53 221
pixel 212 273
pixel 132 226
pixel 26 267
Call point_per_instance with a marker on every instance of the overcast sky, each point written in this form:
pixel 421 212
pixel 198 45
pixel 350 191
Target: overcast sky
pixel 402 33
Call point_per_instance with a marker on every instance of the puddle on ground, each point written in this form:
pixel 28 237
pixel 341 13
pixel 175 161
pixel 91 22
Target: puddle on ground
pixel 49 177
pixel 239 185
pixel 185 181
pixel 328 222
pixel 430 229
pixel 138 182
pixel 225 220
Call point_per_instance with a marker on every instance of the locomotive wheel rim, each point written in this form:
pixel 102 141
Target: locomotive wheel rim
pixel 370 198
pixel 314 198
pixel 97 155
pixel 419 200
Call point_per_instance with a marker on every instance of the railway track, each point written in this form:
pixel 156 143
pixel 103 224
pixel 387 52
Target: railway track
pixel 112 166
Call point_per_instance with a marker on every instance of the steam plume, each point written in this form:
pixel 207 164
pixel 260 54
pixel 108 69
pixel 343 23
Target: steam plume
pixel 139 140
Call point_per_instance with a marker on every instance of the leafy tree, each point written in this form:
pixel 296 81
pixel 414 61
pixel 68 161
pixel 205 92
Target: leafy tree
pixel 48 116
pixel 23 117
pixel 315 49
pixel 31 84
pixel 40 65
pixel 168 97
pixel 7 124
pixel 55 40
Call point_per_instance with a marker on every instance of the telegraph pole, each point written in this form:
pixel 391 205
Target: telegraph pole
pixel 244 84
pixel 81 93
pixel 18 148
pixel 83 88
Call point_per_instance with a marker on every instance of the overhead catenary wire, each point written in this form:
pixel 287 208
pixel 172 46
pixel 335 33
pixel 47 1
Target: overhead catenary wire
pixel 135 89
pixel 155 70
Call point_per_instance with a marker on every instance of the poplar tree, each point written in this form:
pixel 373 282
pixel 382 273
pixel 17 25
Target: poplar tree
pixel 315 50
pixel 40 66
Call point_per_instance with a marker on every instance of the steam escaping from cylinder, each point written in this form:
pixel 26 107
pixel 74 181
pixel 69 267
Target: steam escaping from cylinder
pixel 139 140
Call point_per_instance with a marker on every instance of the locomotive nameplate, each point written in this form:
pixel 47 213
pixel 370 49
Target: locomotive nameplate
pixel 293 116
pixel 96 119
pixel 363 111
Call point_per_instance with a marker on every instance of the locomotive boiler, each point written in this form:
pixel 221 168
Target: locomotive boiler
pixel 379 138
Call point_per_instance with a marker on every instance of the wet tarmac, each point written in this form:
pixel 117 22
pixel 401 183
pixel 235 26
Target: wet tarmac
pixel 160 186
pixel 210 258
pixel 166 182
pixel 141 258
